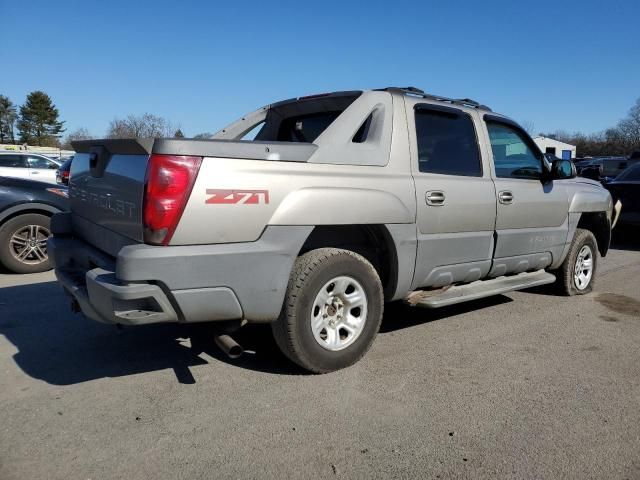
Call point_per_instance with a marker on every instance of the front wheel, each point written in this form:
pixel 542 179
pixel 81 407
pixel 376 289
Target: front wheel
pixel 332 310
pixel 577 273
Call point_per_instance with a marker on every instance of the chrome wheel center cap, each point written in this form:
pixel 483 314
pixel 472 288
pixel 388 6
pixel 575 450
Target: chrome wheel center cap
pixel 339 313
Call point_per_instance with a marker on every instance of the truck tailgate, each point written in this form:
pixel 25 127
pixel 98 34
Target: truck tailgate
pixel 106 188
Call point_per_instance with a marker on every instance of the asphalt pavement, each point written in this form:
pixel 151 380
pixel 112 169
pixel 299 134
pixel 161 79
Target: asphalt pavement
pixel 523 385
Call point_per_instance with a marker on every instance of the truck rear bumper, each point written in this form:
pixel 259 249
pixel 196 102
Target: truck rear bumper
pixel 101 296
pixel 198 283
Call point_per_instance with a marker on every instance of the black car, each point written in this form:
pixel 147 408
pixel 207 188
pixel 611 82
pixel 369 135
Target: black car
pixel 26 208
pixel 64 172
pixel 626 188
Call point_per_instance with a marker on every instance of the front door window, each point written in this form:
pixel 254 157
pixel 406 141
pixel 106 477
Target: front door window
pixel 513 155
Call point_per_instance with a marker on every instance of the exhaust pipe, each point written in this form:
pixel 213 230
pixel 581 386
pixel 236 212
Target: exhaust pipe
pixel 229 346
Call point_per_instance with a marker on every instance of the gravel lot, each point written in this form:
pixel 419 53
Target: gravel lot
pixel 524 385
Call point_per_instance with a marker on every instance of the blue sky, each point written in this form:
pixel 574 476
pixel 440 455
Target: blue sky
pixel 572 65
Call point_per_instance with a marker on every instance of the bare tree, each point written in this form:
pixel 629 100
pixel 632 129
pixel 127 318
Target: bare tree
pixel 529 127
pixel 78 134
pixel 203 136
pixel 140 126
pixel 628 129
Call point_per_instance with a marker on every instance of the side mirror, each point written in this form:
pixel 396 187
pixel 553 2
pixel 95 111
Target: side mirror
pixel 592 172
pixel 561 169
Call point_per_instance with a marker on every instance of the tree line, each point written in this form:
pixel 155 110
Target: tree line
pixel 620 140
pixel 37 122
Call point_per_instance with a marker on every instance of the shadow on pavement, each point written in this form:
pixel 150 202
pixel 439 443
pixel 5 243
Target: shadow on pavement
pixel 62 348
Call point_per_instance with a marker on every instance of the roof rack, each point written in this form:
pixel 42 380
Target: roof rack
pixel 465 102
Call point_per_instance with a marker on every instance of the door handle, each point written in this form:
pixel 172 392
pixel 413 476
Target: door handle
pixel 35 173
pixel 505 197
pixel 435 198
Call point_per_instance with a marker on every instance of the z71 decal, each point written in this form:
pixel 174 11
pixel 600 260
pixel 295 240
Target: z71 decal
pixel 244 197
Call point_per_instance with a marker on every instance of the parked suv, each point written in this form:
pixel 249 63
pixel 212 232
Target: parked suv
pixel 340 203
pixel 26 208
pixel 62 174
pixel 28 166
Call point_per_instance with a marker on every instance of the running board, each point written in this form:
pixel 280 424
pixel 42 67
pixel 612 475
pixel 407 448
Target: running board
pixel 479 289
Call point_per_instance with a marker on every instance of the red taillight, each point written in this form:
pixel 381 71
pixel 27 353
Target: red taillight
pixel 66 174
pixel 169 181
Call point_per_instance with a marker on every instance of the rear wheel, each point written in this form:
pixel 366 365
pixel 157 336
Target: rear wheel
pixel 23 243
pixel 577 273
pixel 332 310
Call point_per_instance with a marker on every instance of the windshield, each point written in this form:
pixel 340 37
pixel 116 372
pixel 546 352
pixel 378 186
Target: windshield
pixel 630 174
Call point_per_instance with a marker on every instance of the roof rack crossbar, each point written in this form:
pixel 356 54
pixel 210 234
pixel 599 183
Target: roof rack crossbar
pixel 465 102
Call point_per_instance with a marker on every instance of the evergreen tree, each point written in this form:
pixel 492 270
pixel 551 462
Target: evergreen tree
pixel 39 121
pixel 178 134
pixel 8 117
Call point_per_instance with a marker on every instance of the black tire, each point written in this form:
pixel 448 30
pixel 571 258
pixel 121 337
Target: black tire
pixel 566 279
pixel 8 257
pixel 311 272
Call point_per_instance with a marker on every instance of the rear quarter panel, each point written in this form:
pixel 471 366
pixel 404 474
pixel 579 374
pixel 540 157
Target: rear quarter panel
pixel 234 200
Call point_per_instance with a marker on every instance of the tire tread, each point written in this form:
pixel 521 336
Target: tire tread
pixel 565 272
pixel 284 329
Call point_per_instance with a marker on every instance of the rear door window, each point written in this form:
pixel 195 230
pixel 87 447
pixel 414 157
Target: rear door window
pixel 13 161
pixel 447 143
pixel 40 162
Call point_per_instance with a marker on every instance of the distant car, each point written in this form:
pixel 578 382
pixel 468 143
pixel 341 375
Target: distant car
pixel 604 169
pixel 626 188
pixel 63 173
pixel 26 208
pixel 29 166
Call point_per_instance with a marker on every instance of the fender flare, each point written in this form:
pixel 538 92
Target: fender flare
pixel 25 207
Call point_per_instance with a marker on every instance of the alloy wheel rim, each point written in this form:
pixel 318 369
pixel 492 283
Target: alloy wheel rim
pixel 583 269
pixel 28 244
pixel 339 313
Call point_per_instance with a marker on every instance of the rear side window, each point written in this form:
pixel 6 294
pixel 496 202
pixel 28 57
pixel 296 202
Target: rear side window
pixel 447 143
pixel 305 128
pixel 303 120
pixel 39 162
pixel 13 161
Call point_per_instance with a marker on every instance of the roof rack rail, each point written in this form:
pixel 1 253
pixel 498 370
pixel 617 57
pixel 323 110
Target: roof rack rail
pixel 465 102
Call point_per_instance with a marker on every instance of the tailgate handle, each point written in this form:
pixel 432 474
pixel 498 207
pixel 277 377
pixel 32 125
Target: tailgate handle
pixel 98 160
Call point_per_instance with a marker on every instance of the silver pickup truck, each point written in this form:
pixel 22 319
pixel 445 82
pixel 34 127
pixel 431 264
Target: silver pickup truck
pixel 313 212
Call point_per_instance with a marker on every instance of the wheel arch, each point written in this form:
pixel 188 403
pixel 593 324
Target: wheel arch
pixel 373 241
pixel 597 223
pixel 25 208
